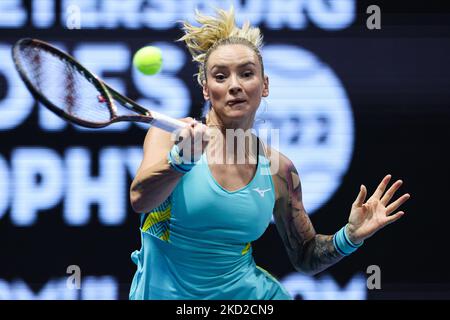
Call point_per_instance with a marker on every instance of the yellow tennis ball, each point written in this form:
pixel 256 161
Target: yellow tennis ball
pixel 148 60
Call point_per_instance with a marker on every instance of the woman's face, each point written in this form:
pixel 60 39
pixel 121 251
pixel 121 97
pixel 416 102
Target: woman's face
pixel 235 84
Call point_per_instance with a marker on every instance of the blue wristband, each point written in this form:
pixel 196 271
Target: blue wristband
pixel 343 244
pixel 176 162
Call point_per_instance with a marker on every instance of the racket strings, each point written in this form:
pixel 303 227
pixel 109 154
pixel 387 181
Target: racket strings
pixel 70 91
pixel 65 86
pixel 36 59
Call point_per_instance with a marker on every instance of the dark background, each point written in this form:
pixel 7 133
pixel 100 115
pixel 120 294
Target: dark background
pixel 398 85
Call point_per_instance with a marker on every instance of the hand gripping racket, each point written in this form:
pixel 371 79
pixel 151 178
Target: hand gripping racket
pixel 74 93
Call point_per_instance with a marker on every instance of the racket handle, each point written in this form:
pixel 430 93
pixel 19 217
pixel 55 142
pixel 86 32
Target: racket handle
pixel 166 123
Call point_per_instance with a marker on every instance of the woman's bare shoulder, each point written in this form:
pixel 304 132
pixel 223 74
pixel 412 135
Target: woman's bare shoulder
pixel 280 163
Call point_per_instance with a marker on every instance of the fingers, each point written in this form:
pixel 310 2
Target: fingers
pixel 397 203
pixel 195 141
pixel 187 119
pixel 390 193
pixel 394 217
pixel 192 132
pixel 186 132
pixel 361 196
pixel 381 187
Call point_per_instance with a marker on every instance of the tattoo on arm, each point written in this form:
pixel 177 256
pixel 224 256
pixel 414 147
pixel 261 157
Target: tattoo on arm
pixel 320 254
pixel 311 252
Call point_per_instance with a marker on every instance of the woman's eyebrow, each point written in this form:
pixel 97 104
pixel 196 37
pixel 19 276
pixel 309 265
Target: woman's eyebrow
pixel 222 66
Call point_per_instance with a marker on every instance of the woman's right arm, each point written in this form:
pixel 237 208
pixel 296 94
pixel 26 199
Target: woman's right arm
pixel 155 178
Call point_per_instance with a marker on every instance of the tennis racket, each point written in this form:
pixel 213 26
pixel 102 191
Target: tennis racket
pixel 74 93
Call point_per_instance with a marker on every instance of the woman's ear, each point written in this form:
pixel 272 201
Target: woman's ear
pixel 265 92
pixel 205 91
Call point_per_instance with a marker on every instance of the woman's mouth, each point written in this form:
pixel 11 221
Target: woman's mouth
pixel 235 102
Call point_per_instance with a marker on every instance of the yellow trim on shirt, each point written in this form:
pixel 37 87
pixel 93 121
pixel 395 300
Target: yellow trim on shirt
pixel 247 247
pixel 155 217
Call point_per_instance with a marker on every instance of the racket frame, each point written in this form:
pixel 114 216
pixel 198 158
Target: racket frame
pixel 108 93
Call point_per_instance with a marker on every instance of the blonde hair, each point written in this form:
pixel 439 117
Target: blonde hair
pixel 216 31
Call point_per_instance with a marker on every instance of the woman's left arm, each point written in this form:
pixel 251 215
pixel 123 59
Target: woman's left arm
pixel 310 252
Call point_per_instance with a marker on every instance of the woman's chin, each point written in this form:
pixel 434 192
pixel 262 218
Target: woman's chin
pixel 238 115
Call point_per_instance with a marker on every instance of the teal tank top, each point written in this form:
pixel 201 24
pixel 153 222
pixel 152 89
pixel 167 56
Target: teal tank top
pixel 197 243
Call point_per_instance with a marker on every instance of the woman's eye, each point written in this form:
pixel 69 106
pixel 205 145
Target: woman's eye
pixel 220 77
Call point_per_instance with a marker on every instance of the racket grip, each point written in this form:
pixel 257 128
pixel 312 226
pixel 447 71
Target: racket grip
pixel 166 123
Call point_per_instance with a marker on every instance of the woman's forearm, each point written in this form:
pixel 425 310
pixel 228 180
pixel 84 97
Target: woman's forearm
pixel 318 254
pixel 152 186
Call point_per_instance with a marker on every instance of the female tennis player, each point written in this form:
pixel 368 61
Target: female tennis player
pixel 198 218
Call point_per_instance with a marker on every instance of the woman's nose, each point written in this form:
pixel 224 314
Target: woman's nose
pixel 235 85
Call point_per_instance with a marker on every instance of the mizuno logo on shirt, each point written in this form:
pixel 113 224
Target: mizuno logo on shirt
pixel 261 192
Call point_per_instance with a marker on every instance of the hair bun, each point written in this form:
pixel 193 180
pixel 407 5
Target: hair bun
pixel 213 30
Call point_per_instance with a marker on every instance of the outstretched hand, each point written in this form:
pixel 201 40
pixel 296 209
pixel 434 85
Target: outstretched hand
pixel 367 217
